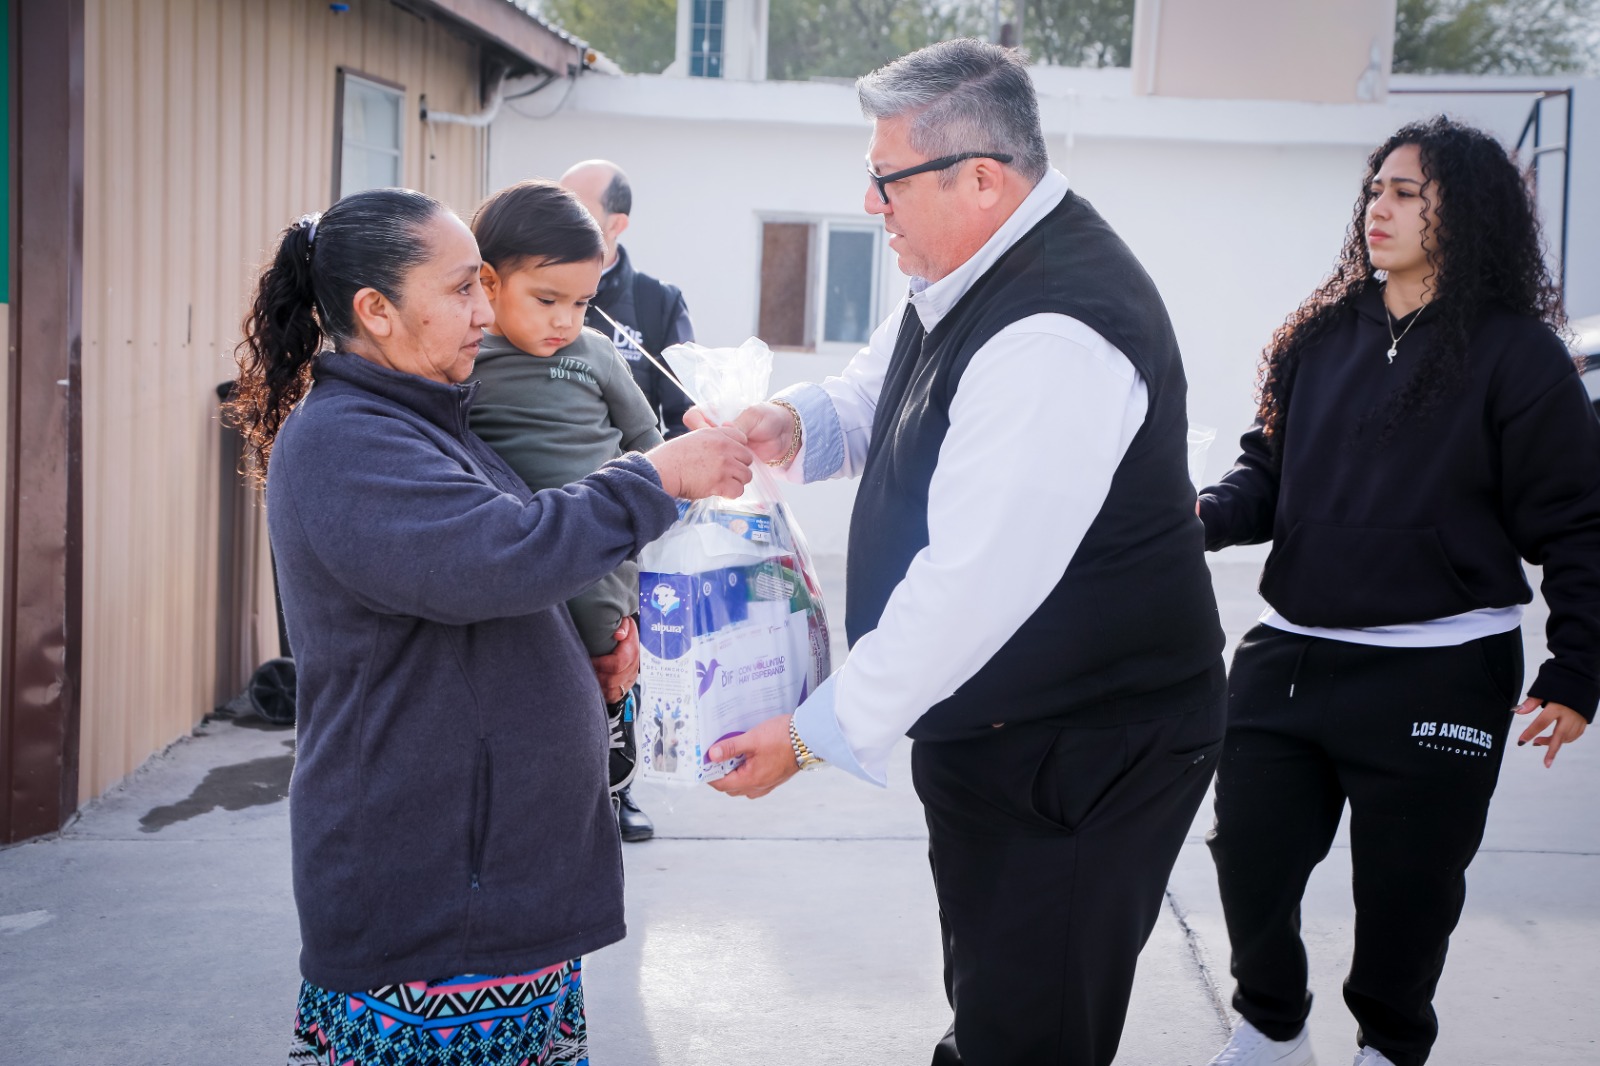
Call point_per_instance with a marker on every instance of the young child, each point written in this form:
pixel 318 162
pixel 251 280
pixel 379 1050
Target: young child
pixel 556 400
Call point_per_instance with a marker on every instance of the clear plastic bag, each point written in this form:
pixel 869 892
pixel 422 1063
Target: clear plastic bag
pixel 1200 438
pixel 732 629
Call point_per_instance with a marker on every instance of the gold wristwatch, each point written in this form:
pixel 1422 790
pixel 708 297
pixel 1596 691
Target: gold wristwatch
pixel 803 756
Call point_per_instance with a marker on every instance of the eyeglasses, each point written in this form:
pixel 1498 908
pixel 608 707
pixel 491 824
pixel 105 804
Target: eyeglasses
pixel 944 162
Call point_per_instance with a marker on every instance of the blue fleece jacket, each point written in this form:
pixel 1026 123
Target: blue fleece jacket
pixel 448 810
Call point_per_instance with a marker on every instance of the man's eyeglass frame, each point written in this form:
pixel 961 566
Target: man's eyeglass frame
pixel 944 162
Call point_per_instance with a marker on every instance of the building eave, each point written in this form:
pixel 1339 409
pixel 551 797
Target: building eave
pixel 513 29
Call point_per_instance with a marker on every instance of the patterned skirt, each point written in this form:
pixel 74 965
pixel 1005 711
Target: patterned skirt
pixel 530 1019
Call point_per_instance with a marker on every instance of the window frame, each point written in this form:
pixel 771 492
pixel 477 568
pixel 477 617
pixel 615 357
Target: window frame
pixel 698 32
pixel 816 282
pixel 343 74
pixel 825 229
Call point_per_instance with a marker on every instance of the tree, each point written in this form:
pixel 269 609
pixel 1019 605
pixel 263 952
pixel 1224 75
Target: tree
pixel 848 38
pixel 1079 33
pixel 806 38
pixel 1431 36
pixel 1494 36
pixel 641 35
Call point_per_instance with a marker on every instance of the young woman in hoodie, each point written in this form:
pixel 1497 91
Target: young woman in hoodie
pixel 1421 433
pixel 452 841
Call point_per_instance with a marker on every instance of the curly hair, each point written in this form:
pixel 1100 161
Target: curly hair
pixel 1481 234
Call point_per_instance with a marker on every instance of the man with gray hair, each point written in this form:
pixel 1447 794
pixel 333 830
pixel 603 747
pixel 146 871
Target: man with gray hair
pixel 1027 595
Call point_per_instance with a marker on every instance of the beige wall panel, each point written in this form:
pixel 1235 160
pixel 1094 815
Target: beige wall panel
pixel 209 127
pixel 1325 51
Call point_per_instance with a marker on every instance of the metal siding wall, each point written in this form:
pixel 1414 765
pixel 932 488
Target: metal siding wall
pixel 209 128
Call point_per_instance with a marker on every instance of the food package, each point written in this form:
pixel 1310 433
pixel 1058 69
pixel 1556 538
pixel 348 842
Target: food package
pixel 732 629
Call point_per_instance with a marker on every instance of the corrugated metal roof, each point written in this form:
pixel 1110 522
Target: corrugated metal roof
pixel 593 58
pixel 528 8
pixel 513 29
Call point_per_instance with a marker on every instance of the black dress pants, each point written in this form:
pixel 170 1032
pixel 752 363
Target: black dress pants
pixel 1051 846
pixel 1412 738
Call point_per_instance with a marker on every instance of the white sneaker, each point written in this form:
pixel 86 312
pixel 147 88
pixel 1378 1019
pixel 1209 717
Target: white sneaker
pixel 1251 1047
pixel 1371 1056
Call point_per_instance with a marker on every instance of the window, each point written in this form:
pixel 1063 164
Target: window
pixel 849 279
pixel 705 39
pixel 819 282
pixel 369 134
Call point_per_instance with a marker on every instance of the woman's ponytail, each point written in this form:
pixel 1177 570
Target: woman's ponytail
pixel 282 335
pixel 304 301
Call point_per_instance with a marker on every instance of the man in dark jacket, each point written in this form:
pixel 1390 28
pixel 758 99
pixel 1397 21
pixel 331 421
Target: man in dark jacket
pixel 649 314
pixel 1027 595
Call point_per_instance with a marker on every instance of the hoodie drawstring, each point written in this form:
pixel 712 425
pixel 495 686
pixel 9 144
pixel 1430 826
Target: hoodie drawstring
pixel 1299 661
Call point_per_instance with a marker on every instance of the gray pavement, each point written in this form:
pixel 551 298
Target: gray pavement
pixel 159 926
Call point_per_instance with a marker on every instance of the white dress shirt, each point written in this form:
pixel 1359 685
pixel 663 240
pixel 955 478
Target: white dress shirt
pixel 1043 415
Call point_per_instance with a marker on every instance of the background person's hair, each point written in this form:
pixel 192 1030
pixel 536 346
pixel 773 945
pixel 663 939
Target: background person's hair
pixel 618 197
pixel 304 301
pixel 1481 233
pixel 965 96
pixel 536 221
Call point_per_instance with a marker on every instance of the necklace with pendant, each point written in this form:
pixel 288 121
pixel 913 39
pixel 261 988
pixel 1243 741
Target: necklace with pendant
pixel 1394 342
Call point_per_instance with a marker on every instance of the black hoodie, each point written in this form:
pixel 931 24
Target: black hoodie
pixel 1433 522
pixel 653 315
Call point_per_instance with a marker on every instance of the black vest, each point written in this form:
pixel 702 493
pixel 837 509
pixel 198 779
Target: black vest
pixel 1134 614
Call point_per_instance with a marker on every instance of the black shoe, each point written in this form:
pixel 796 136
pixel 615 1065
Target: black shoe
pixel 624 744
pixel 634 823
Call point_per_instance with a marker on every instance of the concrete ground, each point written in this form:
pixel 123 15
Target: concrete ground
pixel 159 926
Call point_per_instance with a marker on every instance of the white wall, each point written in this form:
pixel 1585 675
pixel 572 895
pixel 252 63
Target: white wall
pixel 1236 208
pixel 1234 236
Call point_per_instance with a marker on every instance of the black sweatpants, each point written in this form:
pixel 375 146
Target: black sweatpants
pixel 1051 846
pixel 1412 738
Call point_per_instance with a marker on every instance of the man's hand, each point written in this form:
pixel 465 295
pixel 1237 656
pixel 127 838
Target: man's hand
pixel 768 759
pixel 1569 726
pixel 707 462
pixel 619 669
pixel 767 428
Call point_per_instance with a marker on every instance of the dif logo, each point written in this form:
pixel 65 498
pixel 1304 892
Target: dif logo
pixel 665 620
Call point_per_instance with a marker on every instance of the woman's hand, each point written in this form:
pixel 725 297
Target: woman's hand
pixel 1569 726
pixel 707 462
pixel 619 669
pixel 767 428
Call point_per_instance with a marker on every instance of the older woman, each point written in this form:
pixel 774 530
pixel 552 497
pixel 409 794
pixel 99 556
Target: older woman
pixel 453 845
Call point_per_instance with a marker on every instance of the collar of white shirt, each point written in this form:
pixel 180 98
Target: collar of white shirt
pixel 934 300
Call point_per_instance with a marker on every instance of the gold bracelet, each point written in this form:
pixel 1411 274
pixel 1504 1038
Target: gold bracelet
pixel 794 441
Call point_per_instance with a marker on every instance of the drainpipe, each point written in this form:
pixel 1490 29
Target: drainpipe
pixel 1155 48
pixel 479 121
